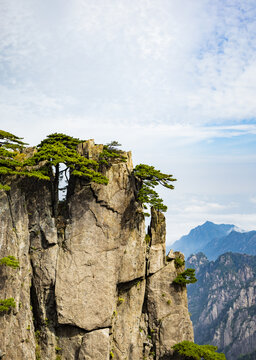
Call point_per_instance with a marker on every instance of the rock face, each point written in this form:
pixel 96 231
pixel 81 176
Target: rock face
pixel 223 303
pixel 90 284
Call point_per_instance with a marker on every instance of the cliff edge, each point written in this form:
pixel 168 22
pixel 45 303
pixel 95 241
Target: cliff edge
pixel 90 283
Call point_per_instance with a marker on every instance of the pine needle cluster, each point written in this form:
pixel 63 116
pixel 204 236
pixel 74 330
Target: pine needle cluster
pixel 45 163
pixel 12 160
pixel 150 178
pixel 59 149
pixel 186 277
pixel 192 351
pixel 110 153
pixel 10 261
pixel 7 304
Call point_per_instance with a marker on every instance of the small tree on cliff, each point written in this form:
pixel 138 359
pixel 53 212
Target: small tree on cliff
pixel 191 351
pixel 10 141
pixel 186 277
pixel 12 160
pixel 150 178
pixel 110 153
pixel 59 149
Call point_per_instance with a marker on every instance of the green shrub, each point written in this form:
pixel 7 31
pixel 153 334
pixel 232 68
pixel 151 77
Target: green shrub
pixel 10 261
pixel 120 301
pixel 110 152
pixel 197 352
pixel 147 239
pixel 186 277
pixel 179 262
pixel 5 187
pixel 7 304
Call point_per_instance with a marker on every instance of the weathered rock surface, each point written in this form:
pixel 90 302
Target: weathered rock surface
pixel 89 286
pixel 167 305
pixel 95 345
pixel 157 233
pixel 16 331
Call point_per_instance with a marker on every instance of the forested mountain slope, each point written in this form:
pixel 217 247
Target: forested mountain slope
pixel 223 303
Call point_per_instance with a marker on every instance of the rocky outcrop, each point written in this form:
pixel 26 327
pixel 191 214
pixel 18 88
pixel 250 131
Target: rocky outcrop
pixel 89 285
pixel 223 303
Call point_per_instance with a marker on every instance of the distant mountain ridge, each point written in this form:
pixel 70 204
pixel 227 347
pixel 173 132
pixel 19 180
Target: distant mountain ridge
pixel 200 236
pixel 238 242
pixel 216 239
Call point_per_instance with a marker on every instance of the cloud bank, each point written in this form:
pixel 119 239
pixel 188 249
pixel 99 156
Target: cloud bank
pixel 135 62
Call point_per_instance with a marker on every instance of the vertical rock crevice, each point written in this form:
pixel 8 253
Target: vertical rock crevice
pixel 9 200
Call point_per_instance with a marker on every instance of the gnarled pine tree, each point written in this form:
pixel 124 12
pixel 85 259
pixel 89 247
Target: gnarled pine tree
pixel 12 160
pixel 186 277
pixel 150 178
pixel 59 149
pixel 110 153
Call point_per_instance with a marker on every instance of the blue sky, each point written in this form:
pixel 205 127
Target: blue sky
pixel 173 81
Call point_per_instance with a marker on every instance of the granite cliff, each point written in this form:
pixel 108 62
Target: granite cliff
pixel 90 283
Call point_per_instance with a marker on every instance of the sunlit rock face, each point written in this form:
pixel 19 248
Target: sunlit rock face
pixel 89 286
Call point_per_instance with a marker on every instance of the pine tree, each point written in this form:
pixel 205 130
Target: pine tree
pixel 186 277
pixel 191 351
pixel 150 178
pixel 110 153
pixel 59 149
pixel 12 160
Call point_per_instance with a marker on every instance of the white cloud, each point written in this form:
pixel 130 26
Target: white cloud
pixel 253 200
pixel 203 207
pixel 138 62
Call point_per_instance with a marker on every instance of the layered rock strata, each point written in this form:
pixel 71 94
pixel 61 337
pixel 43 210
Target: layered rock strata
pixel 89 285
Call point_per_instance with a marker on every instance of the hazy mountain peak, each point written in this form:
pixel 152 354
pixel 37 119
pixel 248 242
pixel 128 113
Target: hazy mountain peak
pixel 200 236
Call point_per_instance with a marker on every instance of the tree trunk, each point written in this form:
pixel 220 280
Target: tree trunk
pixel 55 190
